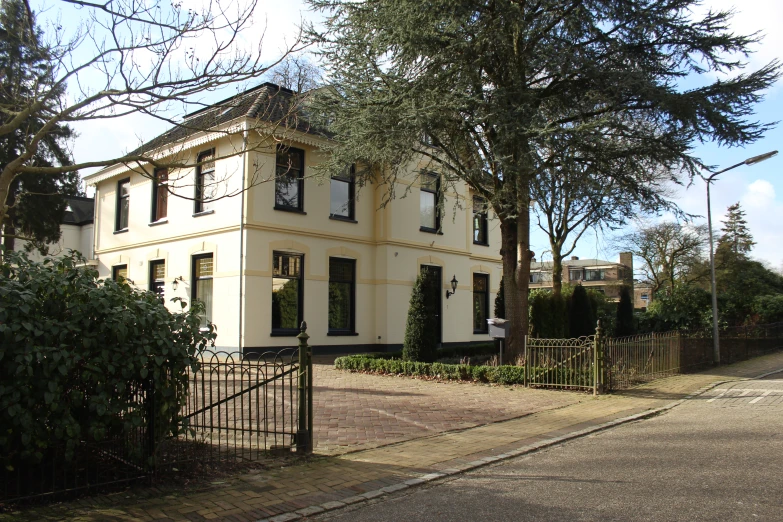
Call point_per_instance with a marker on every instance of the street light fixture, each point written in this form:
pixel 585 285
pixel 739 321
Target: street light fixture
pixel 708 180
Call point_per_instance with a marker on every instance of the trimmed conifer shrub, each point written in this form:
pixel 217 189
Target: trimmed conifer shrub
pixel 500 302
pixel 581 315
pixel 421 342
pixel 625 323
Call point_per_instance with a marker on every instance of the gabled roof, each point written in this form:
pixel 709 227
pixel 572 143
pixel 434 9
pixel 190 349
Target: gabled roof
pixel 267 102
pixel 80 210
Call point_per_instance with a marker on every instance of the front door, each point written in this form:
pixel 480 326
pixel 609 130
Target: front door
pixel 433 297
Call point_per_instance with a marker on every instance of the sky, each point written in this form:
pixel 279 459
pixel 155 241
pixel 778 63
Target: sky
pixel 758 188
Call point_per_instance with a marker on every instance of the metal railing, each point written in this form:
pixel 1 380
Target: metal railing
pixel 236 409
pixel 641 358
pixel 561 363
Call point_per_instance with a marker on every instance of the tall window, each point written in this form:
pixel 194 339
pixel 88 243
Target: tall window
pixel 160 195
pixel 206 188
pixel 119 273
pixel 342 291
pixel 201 285
pixel 480 221
pixel 157 274
pixel 342 194
pixel 123 205
pixel 287 293
pixel 480 303
pixel 428 203
pixel 289 179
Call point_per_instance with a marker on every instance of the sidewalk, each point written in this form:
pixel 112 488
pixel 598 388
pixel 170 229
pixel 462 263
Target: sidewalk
pixel 332 482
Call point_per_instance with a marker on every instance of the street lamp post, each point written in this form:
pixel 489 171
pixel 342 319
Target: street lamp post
pixel 715 338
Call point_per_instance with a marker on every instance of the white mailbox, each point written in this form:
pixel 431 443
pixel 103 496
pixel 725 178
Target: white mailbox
pixel 498 328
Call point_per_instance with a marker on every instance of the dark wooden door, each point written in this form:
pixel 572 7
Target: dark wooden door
pixel 434 297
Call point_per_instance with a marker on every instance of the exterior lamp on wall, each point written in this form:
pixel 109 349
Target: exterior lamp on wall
pixel 175 283
pixel 453 287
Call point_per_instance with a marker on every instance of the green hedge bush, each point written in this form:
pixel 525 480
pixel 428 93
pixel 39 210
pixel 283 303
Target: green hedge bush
pixel 452 372
pixel 73 348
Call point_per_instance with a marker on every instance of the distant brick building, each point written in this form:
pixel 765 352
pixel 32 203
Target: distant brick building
pixel 642 295
pixel 598 274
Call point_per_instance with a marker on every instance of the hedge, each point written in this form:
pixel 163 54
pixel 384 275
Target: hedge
pixel 377 363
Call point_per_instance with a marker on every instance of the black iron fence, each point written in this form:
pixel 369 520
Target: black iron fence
pixel 236 409
pixel 561 363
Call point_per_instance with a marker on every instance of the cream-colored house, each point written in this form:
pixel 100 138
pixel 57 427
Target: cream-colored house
pixel 269 244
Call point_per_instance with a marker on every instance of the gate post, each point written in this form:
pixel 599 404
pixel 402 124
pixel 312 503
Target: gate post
pixel 525 380
pixel 302 435
pixel 598 360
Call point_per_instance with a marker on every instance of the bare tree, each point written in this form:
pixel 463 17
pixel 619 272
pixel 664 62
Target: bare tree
pixel 129 57
pixel 667 250
pixel 572 198
pixel 297 73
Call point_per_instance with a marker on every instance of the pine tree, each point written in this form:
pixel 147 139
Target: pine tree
pixel 625 322
pixel 36 201
pixel 421 341
pixel 736 236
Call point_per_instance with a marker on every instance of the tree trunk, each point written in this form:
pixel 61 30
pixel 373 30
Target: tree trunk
pixel 557 270
pixel 515 240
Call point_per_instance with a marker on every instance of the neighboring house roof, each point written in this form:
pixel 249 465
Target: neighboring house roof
pixel 582 263
pixel 268 102
pixel 80 210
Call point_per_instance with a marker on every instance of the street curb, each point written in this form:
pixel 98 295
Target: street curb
pixel 480 463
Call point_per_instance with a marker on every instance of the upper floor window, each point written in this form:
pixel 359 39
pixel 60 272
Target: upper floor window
pixel 480 236
pixel 540 277
pixel 480 303
pixel 160 195
pixel 342 195
pixel 157 275
pixel 287 293
pixel 123 205
pixel 206 187
pixel 342 291
pixel 576 275
pixel 119 273
pixel 201 285
pixel 595 274
pixel 289 179
pixel 428 202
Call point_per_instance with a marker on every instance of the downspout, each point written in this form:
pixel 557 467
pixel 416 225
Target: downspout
pixel 242 240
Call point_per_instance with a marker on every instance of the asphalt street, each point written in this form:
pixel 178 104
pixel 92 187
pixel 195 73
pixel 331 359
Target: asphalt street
pixel 715 457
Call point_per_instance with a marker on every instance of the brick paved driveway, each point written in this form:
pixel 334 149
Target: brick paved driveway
pixel 356 411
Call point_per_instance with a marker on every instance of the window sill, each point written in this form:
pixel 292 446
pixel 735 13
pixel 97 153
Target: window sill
pixel 341 334
pixel 158 222
pixel 480 332
pixel 290 209
pixel 342 218
pixel 120 231
pixel 284 333
pixel 430 230
pixel 203 213
pixel 479 243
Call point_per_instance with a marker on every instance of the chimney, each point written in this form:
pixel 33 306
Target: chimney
pixel 626 258
pixel 574 258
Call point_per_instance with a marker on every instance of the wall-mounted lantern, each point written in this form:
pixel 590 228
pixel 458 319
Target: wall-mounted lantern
pixel 175 283
pixel 453 286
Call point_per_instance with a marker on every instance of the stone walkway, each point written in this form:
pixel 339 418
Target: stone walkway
pixel 332 482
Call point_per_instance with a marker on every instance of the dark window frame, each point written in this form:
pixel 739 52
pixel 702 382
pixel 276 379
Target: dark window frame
pixel 482 212
pixel 154 284
pixel 194 280
pixel 117 268
pixel 159 189
pixel 579 271
pixel 350 180
pixel 200 205
pixel 118 208
pixel 485 328
pixel 351 330
pixel 436 193
pixel 600 271
pixel 289 332
pixel 299 207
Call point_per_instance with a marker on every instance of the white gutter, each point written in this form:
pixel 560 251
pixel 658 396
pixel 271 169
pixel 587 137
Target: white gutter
pixel 242 239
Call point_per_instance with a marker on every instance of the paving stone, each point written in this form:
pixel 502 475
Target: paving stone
pixel 312 510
